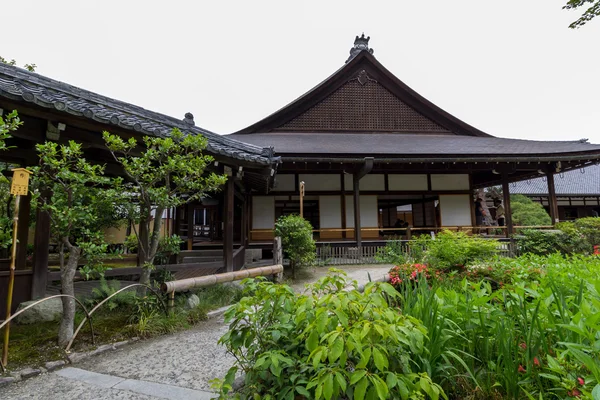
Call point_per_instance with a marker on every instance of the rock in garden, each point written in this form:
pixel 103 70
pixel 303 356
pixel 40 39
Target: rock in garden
pixel 50 310
pixel 192 302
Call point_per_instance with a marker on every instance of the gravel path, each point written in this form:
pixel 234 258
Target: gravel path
pixel 188 359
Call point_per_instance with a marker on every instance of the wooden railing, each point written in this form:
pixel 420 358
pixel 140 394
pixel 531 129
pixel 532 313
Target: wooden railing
pixel 349 254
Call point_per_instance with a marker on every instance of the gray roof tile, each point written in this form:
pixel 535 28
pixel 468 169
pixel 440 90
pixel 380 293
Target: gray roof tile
pixel 585 181
pixel 19 84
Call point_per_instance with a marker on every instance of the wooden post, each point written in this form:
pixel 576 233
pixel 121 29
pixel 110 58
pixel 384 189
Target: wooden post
pixel 190 225
pixel 228 224
pixel 357 230
pixel 507 209
pixel 41 248
pixel 244 222
pixel 552 197
pixel 23 234
pixel 301 190
pixel 278 257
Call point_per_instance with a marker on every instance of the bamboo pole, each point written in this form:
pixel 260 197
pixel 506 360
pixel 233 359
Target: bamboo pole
pixel 11 280
pixel 209 280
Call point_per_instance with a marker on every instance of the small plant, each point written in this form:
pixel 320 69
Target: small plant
pixel 297 241
pixel 457 249
pixel 394 252
pixel 331 344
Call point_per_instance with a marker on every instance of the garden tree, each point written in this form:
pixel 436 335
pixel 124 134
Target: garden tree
pixel 592 11
pixel 8 124
pixel 526 212
pixel 81 197
pixel 297 240
pixel 168 172
pixel 28 67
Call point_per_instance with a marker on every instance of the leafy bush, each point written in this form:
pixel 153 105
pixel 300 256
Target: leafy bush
pixel 331 344
pixel 577 237
pixel 394 252
pixel 540 242
pixel 526 212
pixel 297 240
pixel 457 249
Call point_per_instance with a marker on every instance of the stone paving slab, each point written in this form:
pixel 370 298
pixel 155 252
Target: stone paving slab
pixel 52 386
pixel 93 378
pixel 163 391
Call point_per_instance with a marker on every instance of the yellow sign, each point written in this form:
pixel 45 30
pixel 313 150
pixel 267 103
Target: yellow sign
pixel 20 182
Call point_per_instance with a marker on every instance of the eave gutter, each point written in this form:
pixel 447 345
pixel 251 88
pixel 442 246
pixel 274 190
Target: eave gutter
pixel 409 160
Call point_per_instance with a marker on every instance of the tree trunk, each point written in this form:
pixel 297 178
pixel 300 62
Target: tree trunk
pixel 65 331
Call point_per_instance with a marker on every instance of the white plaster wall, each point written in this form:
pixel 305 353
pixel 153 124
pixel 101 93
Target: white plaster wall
pixel 368 212
pixel 320 182
pixel 348 182
pixel 455 209
pixel 285 182
pixel 330 212
pixel 372 182
pixel 407 182
pixel 263 212
pixel 449 182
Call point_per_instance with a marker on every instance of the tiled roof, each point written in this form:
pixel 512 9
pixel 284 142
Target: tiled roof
pixel 19 84
pixel 411 145
pixel 585 181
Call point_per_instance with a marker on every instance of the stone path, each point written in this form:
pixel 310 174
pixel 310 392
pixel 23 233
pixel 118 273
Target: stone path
pixel 177 366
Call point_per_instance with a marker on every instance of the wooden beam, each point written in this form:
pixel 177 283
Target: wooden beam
pixel 364 170
pixel 228 216
pixel 190 226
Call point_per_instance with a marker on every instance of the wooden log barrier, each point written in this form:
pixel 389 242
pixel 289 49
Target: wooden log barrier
pixel 209 280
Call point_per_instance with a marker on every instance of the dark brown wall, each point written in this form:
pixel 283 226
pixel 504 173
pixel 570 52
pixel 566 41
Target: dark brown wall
pixel 21 291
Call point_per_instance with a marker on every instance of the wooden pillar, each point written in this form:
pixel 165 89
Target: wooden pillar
pixel 41 249
pixel 507 208
pixel 228 224
pixel 552 197
pixel 357 232
pixel 23 233
pixel 244 222
pixel 190 225
pixel 343 204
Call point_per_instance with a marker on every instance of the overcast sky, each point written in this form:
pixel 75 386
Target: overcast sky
pixel 510 68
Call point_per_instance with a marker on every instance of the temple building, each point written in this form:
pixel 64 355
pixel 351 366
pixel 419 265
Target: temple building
pixel 371 150
pixel 376 158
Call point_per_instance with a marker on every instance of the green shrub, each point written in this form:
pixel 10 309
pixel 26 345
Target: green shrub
pixel 331 344
pixel 297 241
pixel 457 249
pixel 535 241
pixel 395 252
pixel 526 212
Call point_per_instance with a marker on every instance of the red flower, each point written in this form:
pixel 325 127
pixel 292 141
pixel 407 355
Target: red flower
pixel 522 345
pixel 580 381
pixel 521 369
pixel 536 362
pixel 574 393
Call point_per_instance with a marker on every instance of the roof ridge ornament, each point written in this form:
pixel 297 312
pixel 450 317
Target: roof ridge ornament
pixel 360 43
pixel 189 119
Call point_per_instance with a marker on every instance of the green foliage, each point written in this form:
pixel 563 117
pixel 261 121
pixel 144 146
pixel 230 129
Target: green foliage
pixel 297 240
pixel 8 123
pixel 28 67
pixel 533 336
pixel 331 344
pixel 169 172
pixel 395 252
pixel 592 11
pixel 457 249
pixel 167 247
pixel 526 212
pixel 81 196
pixel 577 237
